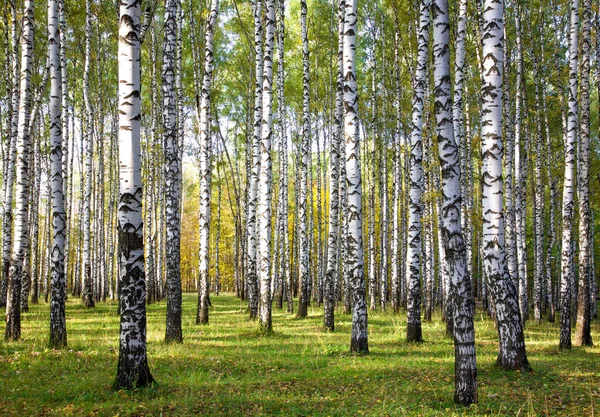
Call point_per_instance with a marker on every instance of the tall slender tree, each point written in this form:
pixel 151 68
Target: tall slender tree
pixel 132 368
pixel 265 177
pixel 454 249
pixel 252 219
pixel 359 341
pixel 511 353
pixel 303 202
pixel 87 287
pixel 413 253
pixel 205 165
pixel 332 270
pixel 583 336
pixel 58 327
pixel 17 267
pixel 569 183
pixel 9 176
pixel 173 331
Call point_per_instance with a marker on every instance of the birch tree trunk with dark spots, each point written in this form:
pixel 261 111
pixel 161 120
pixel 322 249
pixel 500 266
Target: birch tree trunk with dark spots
pixel 132 369
pixel 9 177
pixel 359 342
pixel 568 204
pixel 454 256
pixel 332 271
pixel 413 252
pixel 511 353
pixel 252 219
pixel 205 166
pixel 303 233
pixel 17 267
pixel 396 276
pixel 173 332
pixel 87 287
pixel 58 328
pixel 583 336
pixel 265 177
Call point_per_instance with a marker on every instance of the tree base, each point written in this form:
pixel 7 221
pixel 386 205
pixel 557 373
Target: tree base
pixel 414 333
pixel 359 345
pixel 88 301
pixel 302 310
pixel 129 381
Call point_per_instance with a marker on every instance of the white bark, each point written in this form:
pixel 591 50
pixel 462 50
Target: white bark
pixel 58 329
pixel 265 176
pixel 17 267
pixel 332 271
pixel 303 231
pixel 173 332
pixel 510 331
pixel 132 370
pixel 413 252
pixel 205 165
pixel 87 287
pixel 568 204
pixel 359 340
pixel 252 221
pixel 583 336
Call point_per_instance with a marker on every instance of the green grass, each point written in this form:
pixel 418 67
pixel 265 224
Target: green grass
pixel 226 368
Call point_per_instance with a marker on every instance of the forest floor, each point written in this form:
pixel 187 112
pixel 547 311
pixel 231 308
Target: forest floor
pixel 226 368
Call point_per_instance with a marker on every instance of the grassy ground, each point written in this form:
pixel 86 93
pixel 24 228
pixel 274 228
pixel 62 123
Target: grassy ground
pixel 225 368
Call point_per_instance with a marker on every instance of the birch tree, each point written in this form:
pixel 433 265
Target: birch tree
pixel 359 341
pixel 87 287
pixel 511 353
pixel 252 223
pixel 205 165
pixel 413 252
pixel 455 255
pixel 132 369
pixel 569 183
pixel 17 267
pixel 173 331
pixel 265 177
pixel 58 327
pixel 583 336
pixel 334 168
pixel 303 243
pixel 9 176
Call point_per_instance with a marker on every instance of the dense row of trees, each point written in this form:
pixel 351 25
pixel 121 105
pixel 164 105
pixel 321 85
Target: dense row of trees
pixel 402 155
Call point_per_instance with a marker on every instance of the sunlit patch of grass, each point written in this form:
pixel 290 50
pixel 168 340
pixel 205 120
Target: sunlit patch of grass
pixel 228 368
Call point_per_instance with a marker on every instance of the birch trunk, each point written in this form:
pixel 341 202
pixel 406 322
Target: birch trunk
pixel 265 176
pixel 397 182
pixel 173 332
pixel 359 342
pixel 583 336
pixel 285 257
pixel 7 216
pixel 87 287
pixel 132 369
pixel 454 256
pixel 332 272
pixel 568 204
pixel 510 331
pixel 539 210
pixel 205 166
pixel 521 281
pixel 17 267
pixel 58 328
pixel 413 252
pixel 252 222
pixel 303 243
